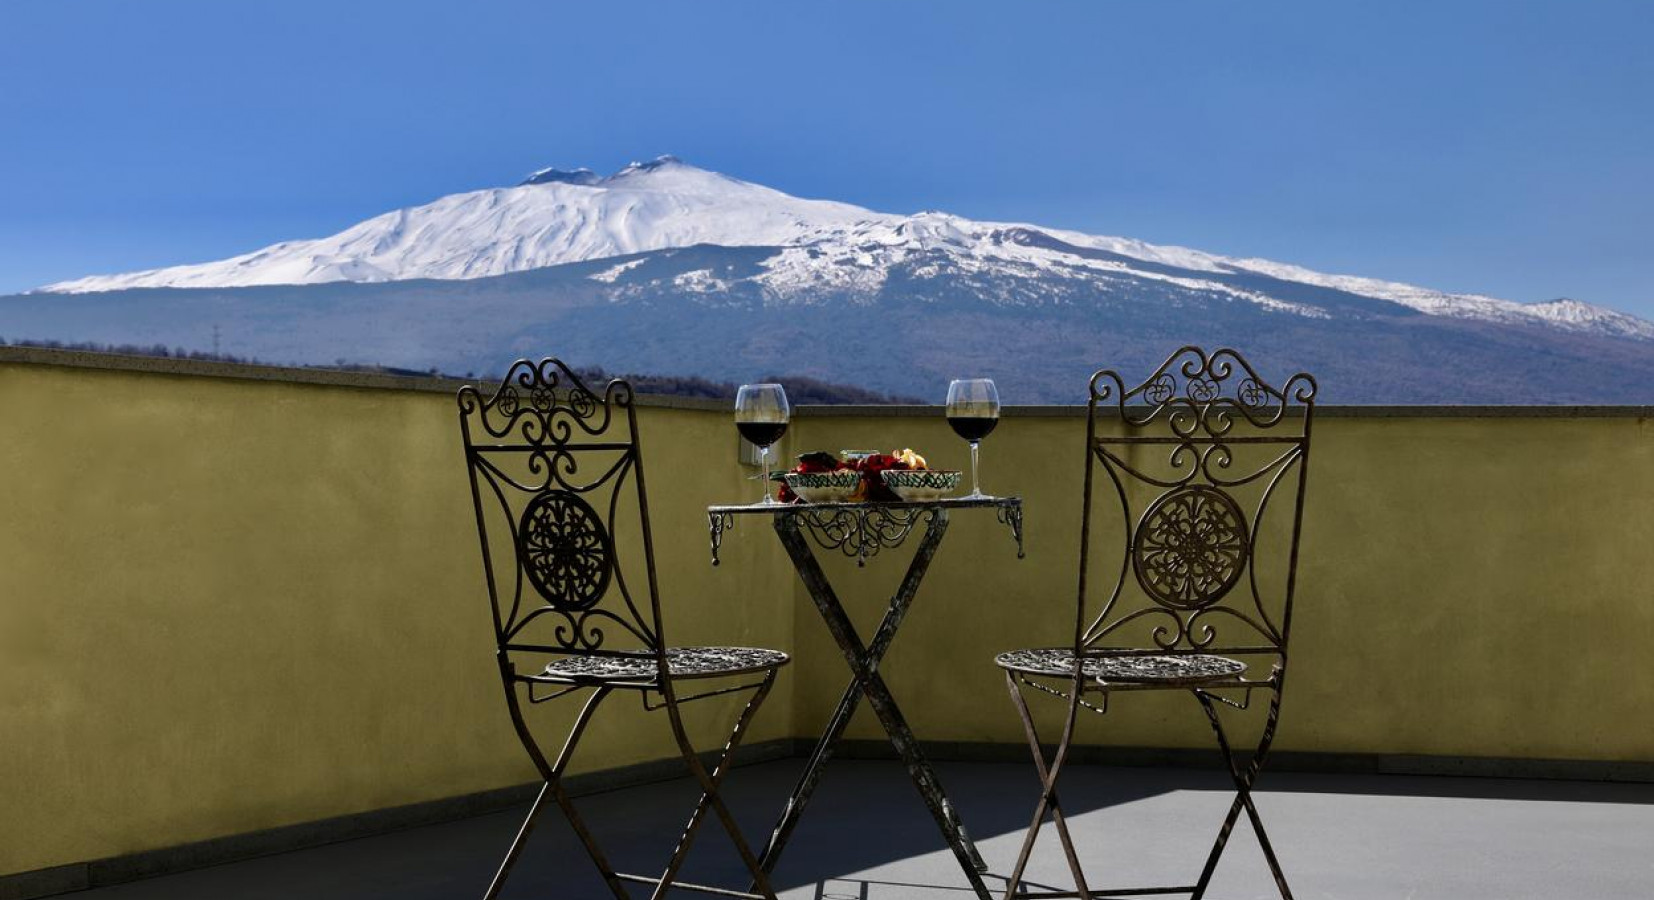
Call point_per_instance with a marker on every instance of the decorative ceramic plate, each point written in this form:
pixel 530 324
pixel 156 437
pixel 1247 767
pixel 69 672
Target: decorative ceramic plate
pixel 920 484
pixel 823 487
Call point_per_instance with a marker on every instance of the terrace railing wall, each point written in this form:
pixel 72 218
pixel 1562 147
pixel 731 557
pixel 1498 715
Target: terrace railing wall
pixel 238 599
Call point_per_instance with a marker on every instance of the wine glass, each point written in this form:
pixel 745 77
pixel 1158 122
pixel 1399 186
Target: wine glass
pixel 973 411
pixel 761 415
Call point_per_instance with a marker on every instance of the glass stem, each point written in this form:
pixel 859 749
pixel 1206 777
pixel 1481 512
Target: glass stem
pixel 976 484
pixel 764 452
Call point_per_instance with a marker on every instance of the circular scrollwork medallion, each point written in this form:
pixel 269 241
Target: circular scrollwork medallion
pixel 565 550
pixel 1190 547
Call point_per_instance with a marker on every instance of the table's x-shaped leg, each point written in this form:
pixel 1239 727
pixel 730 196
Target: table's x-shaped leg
pixel 866 681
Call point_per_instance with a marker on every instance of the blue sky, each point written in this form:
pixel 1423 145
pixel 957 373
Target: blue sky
pixel 1498 147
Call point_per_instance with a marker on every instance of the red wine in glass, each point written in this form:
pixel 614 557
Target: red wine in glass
pixel 973 411
pixel 761 415
pixel 762 434
pixel 972 428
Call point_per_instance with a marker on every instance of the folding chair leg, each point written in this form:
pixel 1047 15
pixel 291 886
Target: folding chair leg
pixel 553 787
pixel 517 844
pixel 712 799
pixel 1048 793
pixel 1244 779
pixel 1042 771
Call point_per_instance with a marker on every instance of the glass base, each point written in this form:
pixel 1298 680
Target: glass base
pixel 978 495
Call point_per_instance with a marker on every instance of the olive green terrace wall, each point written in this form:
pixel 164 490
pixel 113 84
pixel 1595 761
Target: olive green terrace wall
pixel 235 598
pixel 232 604
pixel 1473 584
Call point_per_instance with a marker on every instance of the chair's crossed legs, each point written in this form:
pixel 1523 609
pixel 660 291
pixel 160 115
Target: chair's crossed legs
pixel 1244 776
pixel 710 783
pixel 1048 802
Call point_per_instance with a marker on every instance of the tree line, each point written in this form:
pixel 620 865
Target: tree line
pixel 800 388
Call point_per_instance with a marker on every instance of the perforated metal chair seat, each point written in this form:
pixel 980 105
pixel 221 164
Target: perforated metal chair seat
pixel 681 662
pixel 1170 669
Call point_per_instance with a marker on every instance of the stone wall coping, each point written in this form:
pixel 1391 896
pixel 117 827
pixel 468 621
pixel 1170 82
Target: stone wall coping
pixel 159 365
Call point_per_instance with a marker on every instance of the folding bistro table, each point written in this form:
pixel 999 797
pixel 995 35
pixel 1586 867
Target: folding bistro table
pixel 861 530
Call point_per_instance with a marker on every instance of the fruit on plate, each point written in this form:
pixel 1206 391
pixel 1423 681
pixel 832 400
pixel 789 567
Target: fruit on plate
pixel 869 466
pixel 873 488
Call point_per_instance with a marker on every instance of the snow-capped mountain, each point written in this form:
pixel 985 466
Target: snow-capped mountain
pixel 666 268
pixel 552 217
pixel 557 217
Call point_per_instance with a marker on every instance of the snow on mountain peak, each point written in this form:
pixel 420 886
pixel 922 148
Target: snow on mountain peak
pixel 587 177
pixel 554 217
pixel 557 216
pixel 1568 314
pixel 1577 315
pixel 561 176
pixel 660 162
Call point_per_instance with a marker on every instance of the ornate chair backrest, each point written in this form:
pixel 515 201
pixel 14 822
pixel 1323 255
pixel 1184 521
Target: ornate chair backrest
pixel 555 472
pixel 1205 461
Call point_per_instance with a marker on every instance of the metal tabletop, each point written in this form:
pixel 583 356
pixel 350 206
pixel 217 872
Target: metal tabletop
pixel 862 529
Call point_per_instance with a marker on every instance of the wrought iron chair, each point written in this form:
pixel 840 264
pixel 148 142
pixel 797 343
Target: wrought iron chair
pixel 1207 474
pixel 554 467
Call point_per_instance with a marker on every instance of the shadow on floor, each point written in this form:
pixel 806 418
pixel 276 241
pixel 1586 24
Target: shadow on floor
pixel 867 837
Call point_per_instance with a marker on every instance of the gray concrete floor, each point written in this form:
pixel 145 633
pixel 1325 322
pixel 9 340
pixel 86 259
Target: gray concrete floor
pixel 867 837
